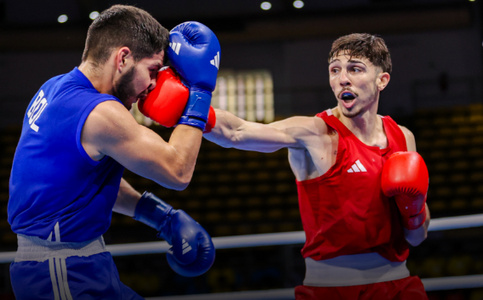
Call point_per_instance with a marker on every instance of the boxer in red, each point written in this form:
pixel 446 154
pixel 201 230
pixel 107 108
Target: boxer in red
pixel 361 184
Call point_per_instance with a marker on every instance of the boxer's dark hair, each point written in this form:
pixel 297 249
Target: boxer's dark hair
pixel 363 45
pixel 124 26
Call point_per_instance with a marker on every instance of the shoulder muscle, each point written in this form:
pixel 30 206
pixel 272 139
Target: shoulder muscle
pixel 105 127
pixel 410 140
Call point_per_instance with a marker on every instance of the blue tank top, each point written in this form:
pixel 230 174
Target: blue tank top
pixel 57 192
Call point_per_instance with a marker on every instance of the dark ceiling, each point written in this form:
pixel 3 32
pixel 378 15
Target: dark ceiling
pixel 42 13
pixel 34 22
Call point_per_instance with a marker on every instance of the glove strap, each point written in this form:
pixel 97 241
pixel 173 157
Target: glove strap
pixel 415 221
pixel 197 109
pixel 153 212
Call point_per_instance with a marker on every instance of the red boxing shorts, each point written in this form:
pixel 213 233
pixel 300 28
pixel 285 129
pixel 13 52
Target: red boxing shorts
pixel 402 289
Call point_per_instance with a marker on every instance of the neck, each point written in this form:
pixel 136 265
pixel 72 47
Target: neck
pixel 367 127
pixel 101 77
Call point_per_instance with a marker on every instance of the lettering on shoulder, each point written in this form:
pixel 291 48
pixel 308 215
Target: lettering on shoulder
pixel 36 110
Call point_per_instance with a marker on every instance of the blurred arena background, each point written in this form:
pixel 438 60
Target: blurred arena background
pixel 274 65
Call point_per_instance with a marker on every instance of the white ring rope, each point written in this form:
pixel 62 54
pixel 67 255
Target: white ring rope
pixel 298 237
pixel 264 239
pixel 459 222
pixel 280 238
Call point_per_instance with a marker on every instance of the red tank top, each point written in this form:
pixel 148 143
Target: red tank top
pixel 344 211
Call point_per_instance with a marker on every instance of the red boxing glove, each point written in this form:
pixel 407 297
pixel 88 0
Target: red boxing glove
pixel 211 120
pixel 405 177
pixel 165 104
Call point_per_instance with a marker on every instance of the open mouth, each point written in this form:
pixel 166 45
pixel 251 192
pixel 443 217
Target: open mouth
pixel 346 96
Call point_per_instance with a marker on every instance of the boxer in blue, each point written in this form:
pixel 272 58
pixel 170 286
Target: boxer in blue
pixel 77 138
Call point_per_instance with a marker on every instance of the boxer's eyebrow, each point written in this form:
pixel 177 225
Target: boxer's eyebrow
pixel 334 60
pixel 356 61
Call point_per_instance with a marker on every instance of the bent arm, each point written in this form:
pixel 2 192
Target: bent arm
pixel 127 199
pixel 418 235
pixel 111 130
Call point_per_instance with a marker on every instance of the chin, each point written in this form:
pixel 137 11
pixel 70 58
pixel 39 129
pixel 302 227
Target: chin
pixel 349 113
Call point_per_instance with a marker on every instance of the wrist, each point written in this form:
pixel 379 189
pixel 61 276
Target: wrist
pixel 193 122
pixel 152 211
pixel 198 105
pixel 197 109
pixel 416 221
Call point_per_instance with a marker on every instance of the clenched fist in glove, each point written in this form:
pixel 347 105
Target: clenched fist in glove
pixel 166 102
pixel 192 252
pixel 405 177
pixel 194 51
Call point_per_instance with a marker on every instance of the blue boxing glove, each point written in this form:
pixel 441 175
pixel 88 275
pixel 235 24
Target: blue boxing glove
pixel 192 252
pixel 194 51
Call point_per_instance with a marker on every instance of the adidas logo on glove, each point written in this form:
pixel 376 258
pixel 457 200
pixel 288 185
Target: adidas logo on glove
pixel 175 46
pixel 186 247
pixel 216 60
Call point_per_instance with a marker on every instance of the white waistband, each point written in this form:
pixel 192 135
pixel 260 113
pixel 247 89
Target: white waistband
pixel 35 249
pixel 355 269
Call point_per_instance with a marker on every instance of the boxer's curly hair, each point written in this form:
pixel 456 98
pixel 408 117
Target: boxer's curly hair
pixel 363 45
pixel 124 25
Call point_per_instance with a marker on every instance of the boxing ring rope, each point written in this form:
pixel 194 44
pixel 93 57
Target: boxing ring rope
pixel 290 238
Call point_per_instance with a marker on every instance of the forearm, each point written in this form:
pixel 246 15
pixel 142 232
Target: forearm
pixel 224 131
pixel 231 131
pixel 169 163
pixel 185 143
pixel 418 235
pixel 127 199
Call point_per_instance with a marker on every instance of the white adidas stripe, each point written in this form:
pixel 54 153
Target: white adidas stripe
pixel 216 60
pixel 175 46
pixel 357 167
pixel 58 276
pixel 186 247
pixel 361 167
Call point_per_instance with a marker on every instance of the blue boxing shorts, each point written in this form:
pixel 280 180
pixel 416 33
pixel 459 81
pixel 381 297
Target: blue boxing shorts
pixel 57 270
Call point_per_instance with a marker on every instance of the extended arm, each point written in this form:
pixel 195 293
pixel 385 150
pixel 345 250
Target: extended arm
pixel 231 131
